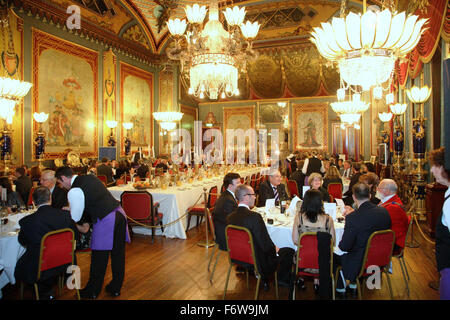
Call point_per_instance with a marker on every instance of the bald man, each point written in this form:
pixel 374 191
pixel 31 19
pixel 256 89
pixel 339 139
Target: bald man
pixel 387 191
pixel 59 195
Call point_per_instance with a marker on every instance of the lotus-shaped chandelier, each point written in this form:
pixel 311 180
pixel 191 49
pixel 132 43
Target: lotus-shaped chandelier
pixel 365 47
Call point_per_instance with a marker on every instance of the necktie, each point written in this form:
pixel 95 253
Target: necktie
pixel 275 192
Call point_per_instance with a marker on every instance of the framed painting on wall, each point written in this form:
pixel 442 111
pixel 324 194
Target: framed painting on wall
pixel 310 123
pixel 66 87
pixel 136 106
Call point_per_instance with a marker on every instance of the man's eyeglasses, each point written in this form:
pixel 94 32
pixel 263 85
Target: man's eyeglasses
pixel 250 194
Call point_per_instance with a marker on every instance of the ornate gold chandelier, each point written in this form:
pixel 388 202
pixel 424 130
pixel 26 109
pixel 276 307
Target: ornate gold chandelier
pixel 349 111
pixel 365 47
pixel 211 56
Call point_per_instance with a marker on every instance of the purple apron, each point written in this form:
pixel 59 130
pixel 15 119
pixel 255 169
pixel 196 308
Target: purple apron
pixel 103 231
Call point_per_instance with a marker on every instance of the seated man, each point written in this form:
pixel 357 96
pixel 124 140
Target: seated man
pixel 224 205
pixel 272 189
pixel 59 195
pixel 298 176
pixel 347 196
pixel 266 252
pixel 105 170
pixel 359 225
pixel 23 183
pixel 387 190
pixel 32 230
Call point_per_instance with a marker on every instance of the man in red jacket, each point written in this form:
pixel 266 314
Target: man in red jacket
pixel 387 192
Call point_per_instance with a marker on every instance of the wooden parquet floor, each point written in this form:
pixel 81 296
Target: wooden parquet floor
pixel 174 269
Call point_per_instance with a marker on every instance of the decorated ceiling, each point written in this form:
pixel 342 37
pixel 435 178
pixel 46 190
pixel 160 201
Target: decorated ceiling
pixel 287 65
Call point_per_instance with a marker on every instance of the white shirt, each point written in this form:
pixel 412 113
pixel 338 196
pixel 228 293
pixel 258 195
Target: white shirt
pixel 305 166
pixel 387 198
pixel 75 196
pixel 243 205
pixel 446 210
pixel 232 193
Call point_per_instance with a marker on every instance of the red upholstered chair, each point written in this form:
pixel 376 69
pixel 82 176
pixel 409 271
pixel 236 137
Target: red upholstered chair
pixel 378 253
pixel 335 190
pixel 103 179
pixel 198 210
pixel 57 249
pixel 293 188
pixel 399 254
pixel 241 251
pixel 139 206
pixel 308 258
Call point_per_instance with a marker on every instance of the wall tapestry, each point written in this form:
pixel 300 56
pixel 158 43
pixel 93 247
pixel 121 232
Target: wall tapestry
pixel 136 87
pixel 65 87
pixel 310 126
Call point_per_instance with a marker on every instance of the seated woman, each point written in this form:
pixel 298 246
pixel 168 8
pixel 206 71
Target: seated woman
pixel 13 200
pixel 315 181
pixel 122 169
pixel 332 175
pixel 312 218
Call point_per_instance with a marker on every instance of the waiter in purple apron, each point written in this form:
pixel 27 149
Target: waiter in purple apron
pixel 109 233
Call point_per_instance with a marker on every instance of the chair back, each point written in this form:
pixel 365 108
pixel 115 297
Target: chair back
pixel 293 188
pixel 103 179
pixel 240 245
pixel 127 177
pixel 307 252
pixel 335 190
pixel 30 197
pixel 378 250
pixel 137 205
pixel 57 249
pixel 212 197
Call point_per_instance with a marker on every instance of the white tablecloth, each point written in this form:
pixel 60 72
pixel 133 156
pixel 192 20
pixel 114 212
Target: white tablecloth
pixel 174 202
pixel 10 249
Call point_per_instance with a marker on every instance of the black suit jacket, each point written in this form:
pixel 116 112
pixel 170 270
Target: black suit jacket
pixel 23 187
pixel 265 251
pixel 359 225
pixel 224 205
pixel 59 198
pixel 266 192
pixel 299 177
pixel 105 170
pixel 32 230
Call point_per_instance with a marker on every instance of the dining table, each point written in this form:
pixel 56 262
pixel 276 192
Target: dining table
pixel 281 226
pixel 10 248
pixel 174 201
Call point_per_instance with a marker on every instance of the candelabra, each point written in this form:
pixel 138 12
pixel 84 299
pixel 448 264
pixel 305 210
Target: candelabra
pixel 398 139
pixel 6 147
pixel 419 96
pixel 111 138
pixel 39 141
pixel 127 143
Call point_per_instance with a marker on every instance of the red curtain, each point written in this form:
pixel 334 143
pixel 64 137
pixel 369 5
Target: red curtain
pixel 437 12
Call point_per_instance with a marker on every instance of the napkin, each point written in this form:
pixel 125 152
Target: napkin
pixel 270 203
pixel 293 205
pixel 305 188
pixel 330 209
pixel 340 204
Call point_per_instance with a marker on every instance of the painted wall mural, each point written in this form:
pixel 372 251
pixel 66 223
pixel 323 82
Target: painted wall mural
pixel 65 87
pixel 310 126
pixel 137 106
